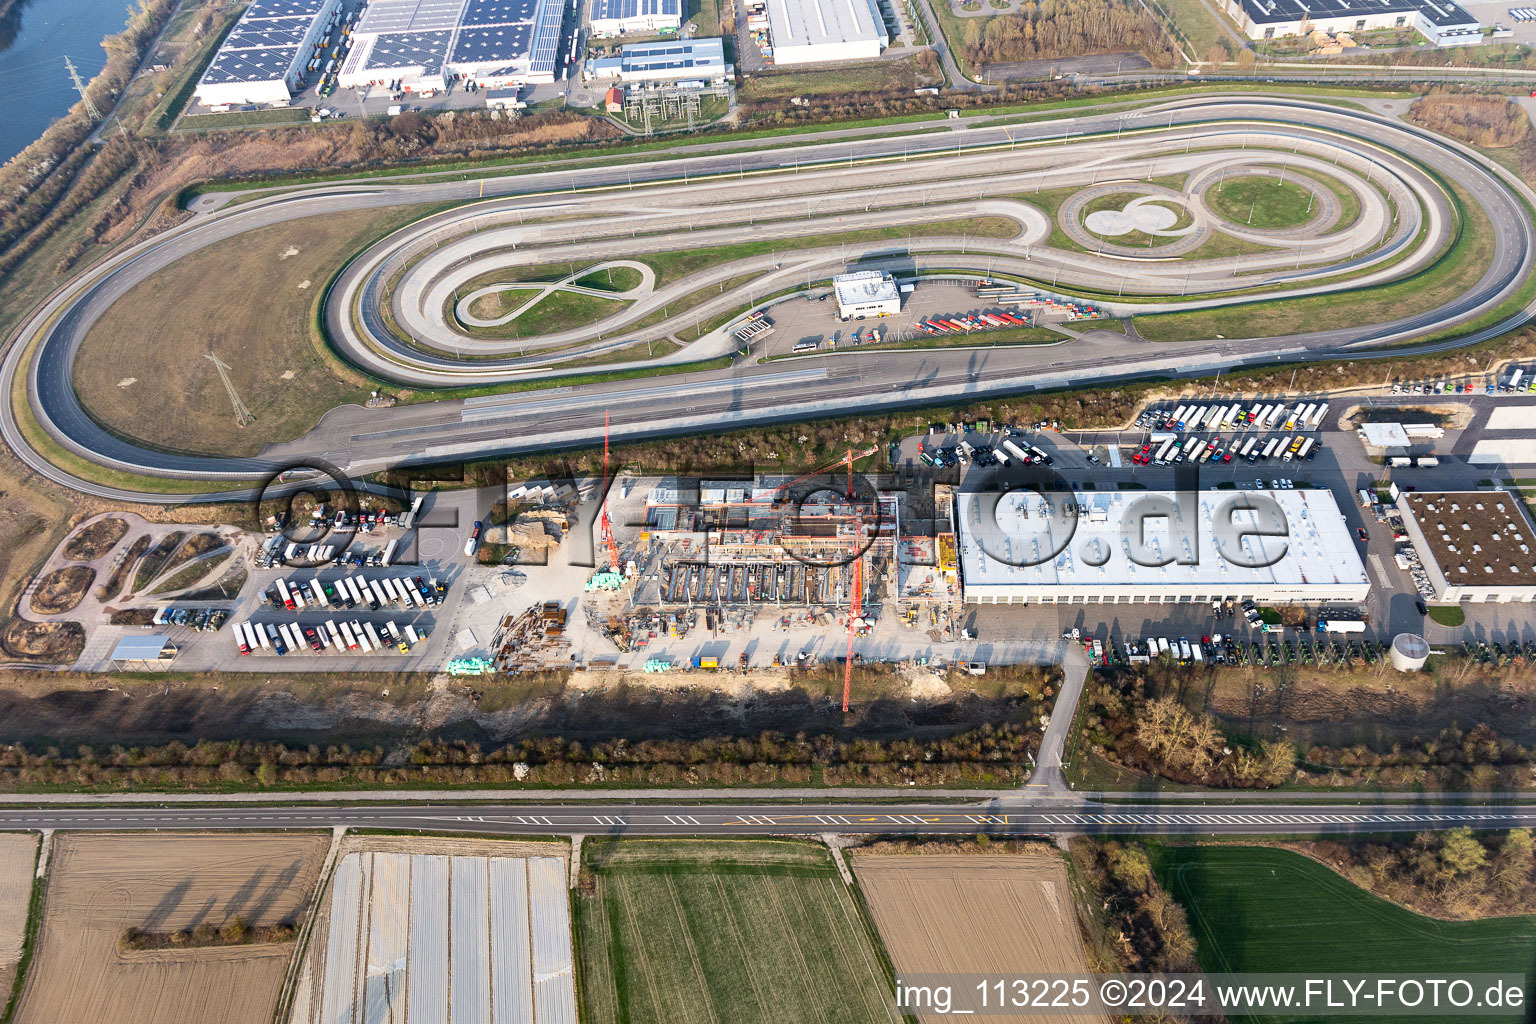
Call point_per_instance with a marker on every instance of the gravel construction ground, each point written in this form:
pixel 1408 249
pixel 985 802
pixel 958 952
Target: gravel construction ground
pixel 974 914
pixel 18 859
pixel 698 932
pixel 102 884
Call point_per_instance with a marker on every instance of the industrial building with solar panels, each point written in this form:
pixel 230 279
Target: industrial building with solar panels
pixel 263 57
pixel 422 46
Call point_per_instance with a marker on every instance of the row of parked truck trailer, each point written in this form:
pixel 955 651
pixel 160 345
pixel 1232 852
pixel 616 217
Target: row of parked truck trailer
pixel 351 591
pixel 1260 416
pixel 1165 450
pixel 282 638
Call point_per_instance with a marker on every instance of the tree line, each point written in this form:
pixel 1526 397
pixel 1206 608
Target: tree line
pixel 989 755
pixel 234 932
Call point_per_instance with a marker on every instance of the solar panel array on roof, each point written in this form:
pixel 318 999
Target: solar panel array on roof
pixel 260 65
pixel 546 38
pixel 261 9
pixel 497 42
pixel 279 32
pixel 411 49
pixel 264 47
pixel 484 37
pixel 498 12
pixel 621 10
pixel 410 15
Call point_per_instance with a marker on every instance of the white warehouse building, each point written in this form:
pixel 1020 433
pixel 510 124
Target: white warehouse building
pixel 422 46
pixel 635 17
pixel 825 31
pixel 263 57
pixel 866 293
pixel 1156 547
pixel 1442 22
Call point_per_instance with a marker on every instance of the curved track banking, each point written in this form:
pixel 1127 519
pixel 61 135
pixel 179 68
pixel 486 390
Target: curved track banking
pixel 1191 136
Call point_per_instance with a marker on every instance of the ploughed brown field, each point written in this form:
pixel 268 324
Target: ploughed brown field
pixel 975 914
pixel 99 885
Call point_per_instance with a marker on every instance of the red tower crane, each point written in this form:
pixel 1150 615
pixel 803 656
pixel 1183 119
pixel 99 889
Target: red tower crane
pixel 606 525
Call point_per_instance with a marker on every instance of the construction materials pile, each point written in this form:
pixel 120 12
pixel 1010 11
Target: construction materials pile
pixel 533 640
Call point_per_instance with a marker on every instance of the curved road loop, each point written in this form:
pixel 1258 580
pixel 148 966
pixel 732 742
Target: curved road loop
pixel 622 211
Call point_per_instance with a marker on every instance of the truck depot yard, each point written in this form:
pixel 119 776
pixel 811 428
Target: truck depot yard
pixel 102 884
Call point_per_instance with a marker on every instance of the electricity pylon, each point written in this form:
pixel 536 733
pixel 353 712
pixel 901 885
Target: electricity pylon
pixel 243 416
pixel 74 76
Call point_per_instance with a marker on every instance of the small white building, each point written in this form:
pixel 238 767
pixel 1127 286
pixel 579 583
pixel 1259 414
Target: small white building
pixel 1156 547
pixel 1442 22
pixel 635 17
pixel 866 293
pixel 263 58
pixel 825 31
pixel 1473 545
pixel 679 60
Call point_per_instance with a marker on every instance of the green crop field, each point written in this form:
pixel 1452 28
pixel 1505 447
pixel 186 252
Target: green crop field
pixel 694 931
pixel 1266 910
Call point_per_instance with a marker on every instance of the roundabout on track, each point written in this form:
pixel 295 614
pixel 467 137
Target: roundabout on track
pixel 397 310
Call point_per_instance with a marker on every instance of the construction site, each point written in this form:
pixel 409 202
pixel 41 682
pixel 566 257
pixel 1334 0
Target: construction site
pixel 723 562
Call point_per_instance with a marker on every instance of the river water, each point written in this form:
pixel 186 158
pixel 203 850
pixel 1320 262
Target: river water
pixel 35 37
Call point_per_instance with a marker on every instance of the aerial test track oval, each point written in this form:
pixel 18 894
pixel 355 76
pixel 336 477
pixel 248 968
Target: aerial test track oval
pixel 1388 151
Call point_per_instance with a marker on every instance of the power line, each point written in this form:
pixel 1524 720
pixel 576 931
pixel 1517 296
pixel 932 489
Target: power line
pixel 243 416
pixel 90 105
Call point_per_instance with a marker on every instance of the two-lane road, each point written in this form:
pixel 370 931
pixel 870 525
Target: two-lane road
pixel 997 818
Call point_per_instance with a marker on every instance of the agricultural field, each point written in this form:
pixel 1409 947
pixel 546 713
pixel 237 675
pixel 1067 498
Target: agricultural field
pixel 1263 909
pixel 694 931
pixel 18 857
pixel 101 884
pixel 409 937
pixel 974 913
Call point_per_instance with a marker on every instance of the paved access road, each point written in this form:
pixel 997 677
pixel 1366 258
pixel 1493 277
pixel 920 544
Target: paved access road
pixel 999 818
pixel 361 441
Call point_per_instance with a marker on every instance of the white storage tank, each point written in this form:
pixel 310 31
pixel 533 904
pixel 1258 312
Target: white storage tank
pixel 1409 652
